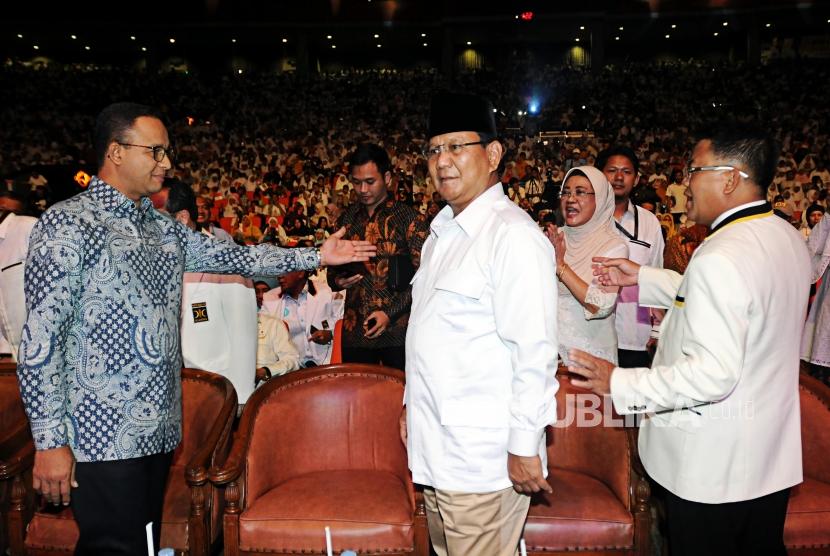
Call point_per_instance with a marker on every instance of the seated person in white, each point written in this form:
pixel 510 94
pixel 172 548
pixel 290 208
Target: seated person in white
pixel 275 354
pixel 311 311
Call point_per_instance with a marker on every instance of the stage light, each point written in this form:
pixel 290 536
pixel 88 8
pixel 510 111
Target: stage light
pixel 527 16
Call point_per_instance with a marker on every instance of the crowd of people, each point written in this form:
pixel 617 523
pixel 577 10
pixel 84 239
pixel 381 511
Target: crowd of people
pixel 280 151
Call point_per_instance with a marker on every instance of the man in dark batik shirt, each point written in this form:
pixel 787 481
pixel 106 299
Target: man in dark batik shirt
pixel 379 295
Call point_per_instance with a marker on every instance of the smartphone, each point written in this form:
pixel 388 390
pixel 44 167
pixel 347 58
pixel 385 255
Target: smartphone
pixel 371 323
pixel 313 329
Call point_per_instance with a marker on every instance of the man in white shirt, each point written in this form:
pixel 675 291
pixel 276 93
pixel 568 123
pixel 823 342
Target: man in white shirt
pixel 636 326
pixel 14 246
pixel 677 192
pixel 722 430
pixel 481 344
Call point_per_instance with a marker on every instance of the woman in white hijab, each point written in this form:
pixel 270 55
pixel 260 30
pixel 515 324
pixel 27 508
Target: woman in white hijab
pixel 586 309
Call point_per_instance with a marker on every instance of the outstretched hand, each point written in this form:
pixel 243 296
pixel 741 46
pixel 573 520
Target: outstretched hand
pixel 616 272
pixel 337 251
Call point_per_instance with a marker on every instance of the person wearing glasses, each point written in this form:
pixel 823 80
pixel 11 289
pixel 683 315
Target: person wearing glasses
pixel 99 363
pixel 586 308
pixel 721 432
pixel 481 344
pixel 637 327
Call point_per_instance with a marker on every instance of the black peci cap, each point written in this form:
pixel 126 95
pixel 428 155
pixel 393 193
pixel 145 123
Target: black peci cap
pixel 452 112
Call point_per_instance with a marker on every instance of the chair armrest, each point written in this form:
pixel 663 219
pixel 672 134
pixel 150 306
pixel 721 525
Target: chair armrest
pixel 17 451
pixel 217 438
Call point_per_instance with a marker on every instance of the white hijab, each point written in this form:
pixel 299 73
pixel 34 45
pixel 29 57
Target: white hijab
pixel 596 236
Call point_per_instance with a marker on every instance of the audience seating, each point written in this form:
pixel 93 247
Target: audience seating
pixel 600 500
pixel 807 529
pixel 321 447
pixel 192 507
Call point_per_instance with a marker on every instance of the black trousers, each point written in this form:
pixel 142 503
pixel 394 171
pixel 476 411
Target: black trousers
pixel 114 502
pixel 392 356
pixel 630 359
pixel 746 528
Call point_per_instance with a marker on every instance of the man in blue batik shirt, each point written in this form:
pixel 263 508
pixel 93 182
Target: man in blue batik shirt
pixel 100 359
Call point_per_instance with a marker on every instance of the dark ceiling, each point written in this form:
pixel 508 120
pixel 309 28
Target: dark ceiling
pixel 178 12
pixel 405 31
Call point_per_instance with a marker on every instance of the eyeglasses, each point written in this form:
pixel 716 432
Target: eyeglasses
pixel 689 170
pixel 453 148
pixel 159 152
pixel 578 194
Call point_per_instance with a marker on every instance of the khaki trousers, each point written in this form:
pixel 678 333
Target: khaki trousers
pixel 463 524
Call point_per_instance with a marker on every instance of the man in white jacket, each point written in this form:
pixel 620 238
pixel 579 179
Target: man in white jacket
pixel 722 432
pixel 481 344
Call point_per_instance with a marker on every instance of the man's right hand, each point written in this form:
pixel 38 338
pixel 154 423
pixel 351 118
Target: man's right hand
pixel 54 474
pixel 344 282
pixel 616 272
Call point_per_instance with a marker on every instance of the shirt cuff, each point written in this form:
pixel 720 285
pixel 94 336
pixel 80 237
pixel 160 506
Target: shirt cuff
pixel 48 437
pixel 310 258
pixel 524 443
pixel 626 399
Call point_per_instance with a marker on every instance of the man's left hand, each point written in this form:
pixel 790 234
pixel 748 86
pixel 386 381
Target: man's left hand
pixel 381 324
pixel 336 251
pixel 525 473
pixel 596 372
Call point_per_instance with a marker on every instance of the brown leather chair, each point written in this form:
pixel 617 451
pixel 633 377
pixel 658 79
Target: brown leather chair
pixel 600 500
pixel 192 507
pixel 321 447
pixel 807 528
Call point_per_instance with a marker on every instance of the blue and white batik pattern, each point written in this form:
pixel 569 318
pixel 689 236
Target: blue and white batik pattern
pixel 100 360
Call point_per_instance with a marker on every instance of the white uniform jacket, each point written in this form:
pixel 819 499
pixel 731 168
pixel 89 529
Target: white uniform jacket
pixel 219 328
pixel 730 341
pixel 14 246
pixel 480 347
pixel 320 310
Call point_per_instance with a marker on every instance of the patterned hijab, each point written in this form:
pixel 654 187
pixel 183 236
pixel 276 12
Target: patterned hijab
pixel 596 236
